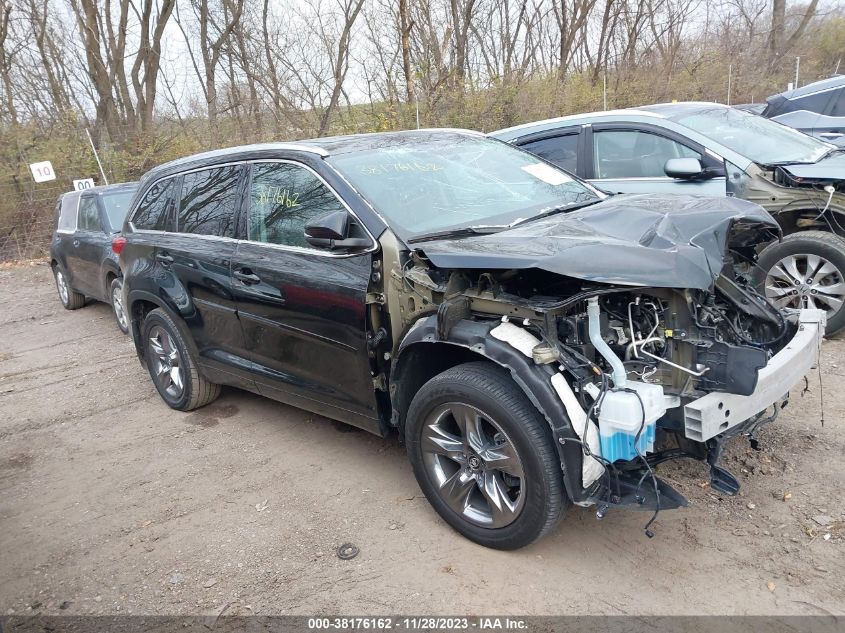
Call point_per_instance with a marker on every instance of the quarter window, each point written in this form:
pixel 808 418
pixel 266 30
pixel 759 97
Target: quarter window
pixel 283 198
pixel 154 209
pixel 89 215
pixel 560 150
pixel 69 206
pixel 634 154
pixel 208 202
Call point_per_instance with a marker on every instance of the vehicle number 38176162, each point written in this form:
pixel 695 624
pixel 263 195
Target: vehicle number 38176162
pixel 278 196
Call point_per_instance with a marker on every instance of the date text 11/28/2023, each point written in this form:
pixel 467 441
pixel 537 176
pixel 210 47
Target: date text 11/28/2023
pixel 417 623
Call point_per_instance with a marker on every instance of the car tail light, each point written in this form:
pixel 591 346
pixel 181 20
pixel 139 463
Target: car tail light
pixel 117 244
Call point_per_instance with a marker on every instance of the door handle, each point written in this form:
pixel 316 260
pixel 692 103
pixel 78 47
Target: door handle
pixel 76 242
pixel 246 276
pixel 831 134
pixel 164 258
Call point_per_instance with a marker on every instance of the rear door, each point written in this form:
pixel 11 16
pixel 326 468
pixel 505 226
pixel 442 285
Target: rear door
pixel 303 309
pixel 194 261
pixel 630 158
pixel 62 247
pixel 84 254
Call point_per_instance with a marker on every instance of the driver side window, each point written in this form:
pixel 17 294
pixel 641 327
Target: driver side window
pixel 283 198
pixel 634 154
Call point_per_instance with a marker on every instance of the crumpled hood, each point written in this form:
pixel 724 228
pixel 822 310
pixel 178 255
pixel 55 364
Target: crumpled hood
pixel 665 240
pixel 830 168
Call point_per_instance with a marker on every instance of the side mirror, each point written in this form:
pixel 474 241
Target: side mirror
pixel 684 168
pixel 331 231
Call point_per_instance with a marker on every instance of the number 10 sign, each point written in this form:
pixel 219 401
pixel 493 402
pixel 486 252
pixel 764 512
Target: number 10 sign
pixel 43 171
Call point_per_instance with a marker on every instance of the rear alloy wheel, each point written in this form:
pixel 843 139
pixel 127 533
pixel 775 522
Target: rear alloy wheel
pixel 807 270
pixel 484 456
pixel 172 364
pixel 70 299
pixel 117 305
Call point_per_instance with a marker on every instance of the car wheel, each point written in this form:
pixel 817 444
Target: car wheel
pixel 70 299
pixel 173 365
pixel 484 457
pixel 116 294
pixel 806 270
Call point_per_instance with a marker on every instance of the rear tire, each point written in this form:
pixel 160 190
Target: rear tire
pixel 116 295
pixel 484 457
pixel 173 365
pixel 806 269
pixel 70 299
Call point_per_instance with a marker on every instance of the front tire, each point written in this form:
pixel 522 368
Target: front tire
pixel 116 295
pixel 484 457
pixel 806 269
pixel 173 365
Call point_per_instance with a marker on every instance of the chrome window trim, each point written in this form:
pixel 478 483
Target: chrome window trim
pixel 299 249
pixel 642 178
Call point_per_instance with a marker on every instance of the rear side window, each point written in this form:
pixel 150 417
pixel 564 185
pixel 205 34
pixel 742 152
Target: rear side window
pixel 837 103
pixel 68 207
pixel 208 202
pixel 560 150
pixel 283 198
pixel 89 214
pixel 154 209
pixel 811 103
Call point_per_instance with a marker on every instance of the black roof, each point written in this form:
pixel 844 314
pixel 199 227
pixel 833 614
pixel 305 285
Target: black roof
pixel 321 147
pixel 825 84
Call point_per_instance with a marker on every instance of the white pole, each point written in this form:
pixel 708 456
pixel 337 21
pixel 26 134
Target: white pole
pixel 417 104
pixel 102 173
pixel 604 90
pixel 730 76
pixel 797 66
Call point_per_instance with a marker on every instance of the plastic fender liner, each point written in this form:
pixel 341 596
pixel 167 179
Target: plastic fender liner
pixel 533 379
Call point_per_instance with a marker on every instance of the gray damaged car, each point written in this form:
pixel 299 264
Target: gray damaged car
pixel 715 150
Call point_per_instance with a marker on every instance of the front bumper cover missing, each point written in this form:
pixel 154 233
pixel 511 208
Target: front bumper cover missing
pixel 717 413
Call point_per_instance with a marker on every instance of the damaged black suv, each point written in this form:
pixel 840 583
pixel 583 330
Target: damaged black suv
pixel 534 342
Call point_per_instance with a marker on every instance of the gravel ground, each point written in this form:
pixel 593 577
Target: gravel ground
pixel 111 503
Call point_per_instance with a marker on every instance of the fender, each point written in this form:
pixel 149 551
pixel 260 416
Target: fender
pixel 533 379
pixel 135 323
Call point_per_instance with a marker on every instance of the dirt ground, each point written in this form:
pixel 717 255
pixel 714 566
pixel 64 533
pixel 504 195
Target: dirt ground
pixel 112 503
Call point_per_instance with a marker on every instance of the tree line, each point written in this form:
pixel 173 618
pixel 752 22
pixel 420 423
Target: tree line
pixel 311 67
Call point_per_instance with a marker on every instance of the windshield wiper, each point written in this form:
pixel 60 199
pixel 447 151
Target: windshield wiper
pixel 572 206
pixel 463 231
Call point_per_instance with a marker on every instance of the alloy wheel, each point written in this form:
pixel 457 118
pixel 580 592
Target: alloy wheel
pixel 167 362
pixel 117 305
pixel 806 281
pixel 61 284
pixel 473 464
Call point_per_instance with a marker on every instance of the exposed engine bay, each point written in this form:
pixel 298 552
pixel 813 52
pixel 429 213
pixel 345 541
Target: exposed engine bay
pixel 632 364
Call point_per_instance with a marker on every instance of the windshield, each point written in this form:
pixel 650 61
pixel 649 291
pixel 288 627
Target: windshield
pixel 117 206
pixel 761 140
pixel 456 181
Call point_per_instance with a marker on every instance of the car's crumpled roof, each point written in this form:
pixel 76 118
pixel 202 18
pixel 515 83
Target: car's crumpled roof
pixel 656 240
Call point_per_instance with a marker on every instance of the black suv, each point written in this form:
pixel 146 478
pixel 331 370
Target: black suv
pixel 81 255
pixel 526 335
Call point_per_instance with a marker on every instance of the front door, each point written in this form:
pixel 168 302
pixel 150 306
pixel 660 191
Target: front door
pixel 628 159
pixel 303 310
